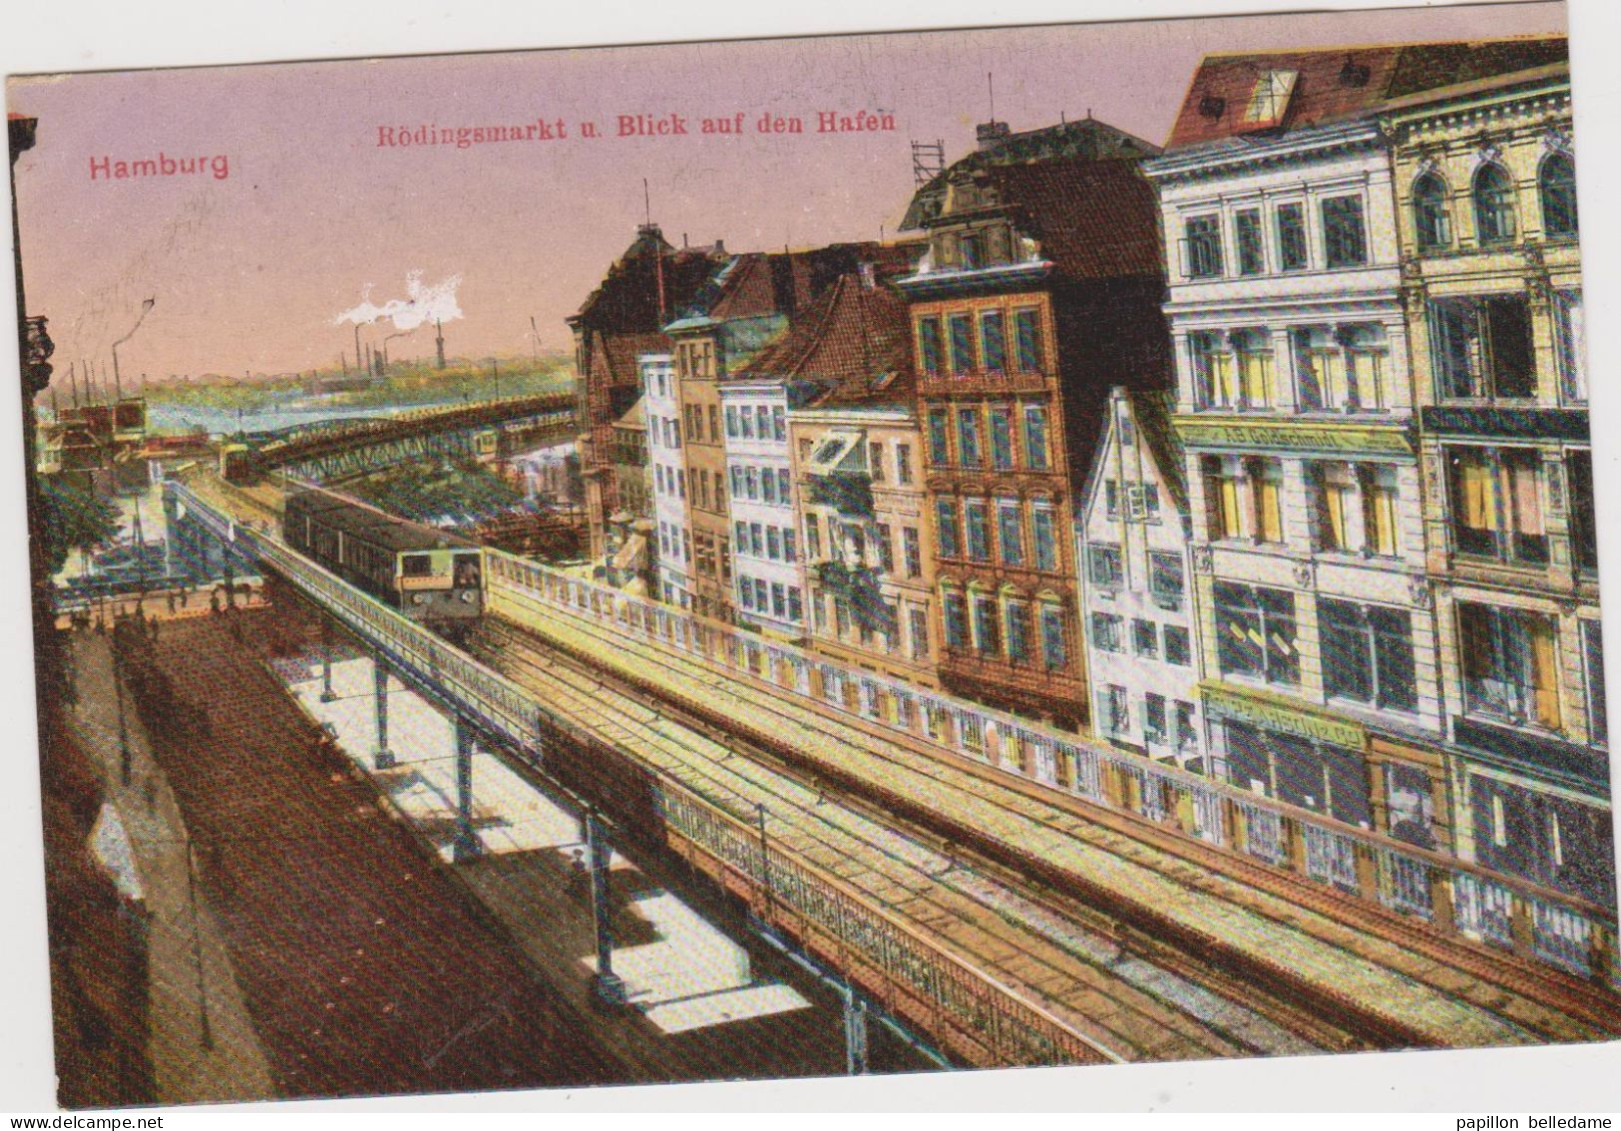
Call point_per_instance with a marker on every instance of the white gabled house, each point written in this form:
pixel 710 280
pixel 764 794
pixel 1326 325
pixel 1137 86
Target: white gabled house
pixel 1143 654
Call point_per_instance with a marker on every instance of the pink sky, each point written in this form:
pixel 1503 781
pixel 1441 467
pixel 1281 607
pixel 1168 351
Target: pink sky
pixel 250 271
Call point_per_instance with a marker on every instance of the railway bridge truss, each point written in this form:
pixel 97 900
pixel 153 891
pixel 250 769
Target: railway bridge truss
pixel 1231 925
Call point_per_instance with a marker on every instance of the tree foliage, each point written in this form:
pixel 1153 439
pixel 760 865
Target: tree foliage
pixel 71 519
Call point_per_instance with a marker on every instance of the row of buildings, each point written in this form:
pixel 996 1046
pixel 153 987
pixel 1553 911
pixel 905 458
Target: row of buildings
pixel 1265 452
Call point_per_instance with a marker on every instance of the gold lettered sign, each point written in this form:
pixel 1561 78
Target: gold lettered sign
pixel 1298 435
pixel 1278 713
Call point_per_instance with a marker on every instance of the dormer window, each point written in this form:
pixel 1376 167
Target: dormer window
pixel 1270 97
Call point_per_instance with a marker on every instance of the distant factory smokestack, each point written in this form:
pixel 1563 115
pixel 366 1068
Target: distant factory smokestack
pixel 439 341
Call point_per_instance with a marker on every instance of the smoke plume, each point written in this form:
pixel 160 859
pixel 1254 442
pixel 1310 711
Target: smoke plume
pixel 436 303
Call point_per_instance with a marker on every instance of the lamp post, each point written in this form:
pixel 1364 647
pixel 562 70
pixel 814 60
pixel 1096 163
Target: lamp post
pixel 118 385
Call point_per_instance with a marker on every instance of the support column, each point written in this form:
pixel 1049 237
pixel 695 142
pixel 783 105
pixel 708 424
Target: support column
pixel 327 694
pixel 610 987
pixel 466 846
pixel 383 758
pixel 855 1034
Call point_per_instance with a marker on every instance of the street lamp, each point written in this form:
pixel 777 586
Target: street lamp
pixel 118 385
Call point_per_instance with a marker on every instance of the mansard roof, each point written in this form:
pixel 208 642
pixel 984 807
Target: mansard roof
pixel 1337 85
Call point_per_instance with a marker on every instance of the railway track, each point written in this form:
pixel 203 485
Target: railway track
pixel 1133 1007
pixel 1390 987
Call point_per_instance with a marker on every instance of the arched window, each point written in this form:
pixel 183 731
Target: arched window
pixel 1494 205
pixel 1557 186
pixel 1431 218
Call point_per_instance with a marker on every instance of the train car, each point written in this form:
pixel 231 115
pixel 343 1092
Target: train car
pixel 431 576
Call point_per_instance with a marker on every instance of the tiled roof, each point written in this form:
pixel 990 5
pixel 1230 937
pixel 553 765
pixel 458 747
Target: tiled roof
pixel 1086 138
pixel 1153 412
pixel 627 299
pixel 1093 219
pixel 1340 84
pixel 785 282
pixel 855 340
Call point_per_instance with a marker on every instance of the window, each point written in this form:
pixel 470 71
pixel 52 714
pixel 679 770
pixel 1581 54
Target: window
pixel 978 527
pixel 1510 664
pixel 745 592
pixel 1368 654
pixel 1255 633
pixel 956 620
pixel 1497 504
pixel 1270 98
pixel 1253 350
pixel 939 437
pixel 1222 476
pixel 993 341
pixel 1142 501
pixel 731 421
pixel 945 527
pixel 1432 216
pixel 1570 330
pixel 1017 614
pixel 1154 718
pixel 1104 566
pixel 1291 222
pixel 1114 711
pixel 1494 204
pixel 1010 531
pixel 911 551
pixel 784 486
pixel 928 344
pixel 962 343
pixel 1046 539
pixel 1027 327
pixel 1367 368
pixel 1145 639
pixel 813 536
pixel 1483 347
pixel 1165 579
pixel 968 447
pixel 1202 247
pixel 1111 498
pixel 1052 636
pixel 796 610
pixel 1187 736
pixel 1266 478
pixel 903 464
pixel 768 486
pixel 886 550
pixel 1344 240
pixel 779 601
pixel 714 424
pixel 1598 727
pixel 756 539
pixel 1213 376
pixel 1379 497
pixel 920 634
pixel 1583 519
pixel 1035 436
pixel 1556 184
pixel 1001 438
pixel 1247 235
pixel 1336 504
pixel 789 551
pixel 681 483
pixel 986 634
pixel 1178 649
pixel 741 537
pixel 773 544
pixel 1106 632
pixel 969 252
pixel 779 423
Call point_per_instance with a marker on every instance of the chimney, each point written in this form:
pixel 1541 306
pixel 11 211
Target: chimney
pixel 439 341
pixel 991 135
pixel 720 247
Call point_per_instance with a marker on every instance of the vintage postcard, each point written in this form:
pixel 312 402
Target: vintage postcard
pixel 1067 545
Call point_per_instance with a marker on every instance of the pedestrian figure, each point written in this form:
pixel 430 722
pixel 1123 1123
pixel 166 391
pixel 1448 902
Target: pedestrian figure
pixel 214 602
pixel 170 596
pixel 579 882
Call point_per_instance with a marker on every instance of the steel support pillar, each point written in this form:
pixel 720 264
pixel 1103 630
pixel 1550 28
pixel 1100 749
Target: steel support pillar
pixel 855 1034
pixel 610 987
pixel 327 694
pixel 383 759
pixel 466 846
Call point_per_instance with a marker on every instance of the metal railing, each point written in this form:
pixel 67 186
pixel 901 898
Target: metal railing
pixel 1453 896
pixel 971 1012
